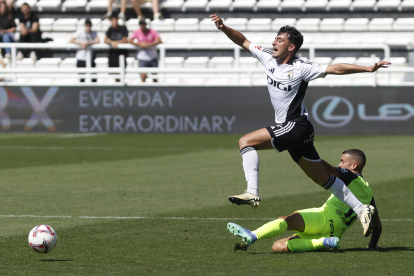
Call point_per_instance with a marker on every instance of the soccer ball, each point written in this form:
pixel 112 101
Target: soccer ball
pixel 42 238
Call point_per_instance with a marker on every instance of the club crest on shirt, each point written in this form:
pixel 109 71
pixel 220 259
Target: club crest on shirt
pixel 290 75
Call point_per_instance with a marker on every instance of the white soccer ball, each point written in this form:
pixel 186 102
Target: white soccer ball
pixel 42 238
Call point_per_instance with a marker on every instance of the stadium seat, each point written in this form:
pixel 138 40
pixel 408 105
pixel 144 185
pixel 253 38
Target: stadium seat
pixel 316 4
pixel 221 62
pixel 403 24
pixel 332 24
pixel 324 40
pixel 101 62
pixel 264 5
pixel 68 63
pixel 363 4
pixel 349 40
pixel 280 22
pixel 339 5
pixel 244 4
pixel 248 62
pixel 177 40
pixel 48 4
pixel 356 24
pixel 217 81
pixel 186 24
pixel 19 3
pixel 373 40
pixel 195 5
pixel 349 60
pixel 219 5
pixel 165 25
pixel 97 4
pixel 132 24
pixel 65 25
pixel 292 4
pixel 239 24
pixel 66 81
pixel 223 39
pixel 398 61
pixel 402 41
pixel 46 24
pixel 388 4
pixel 48 63
pixel 381 24
pixel 202 40
pixel 308 24
pixel 196 62
pixel 25 63
pixel 173 62
pixel 259 24
pixel 407 5
pixel 367 61
pixel 172 4
pixel 74 4
pixel 131 62
pixel 207 25
pixel 323 60
pixel 96 24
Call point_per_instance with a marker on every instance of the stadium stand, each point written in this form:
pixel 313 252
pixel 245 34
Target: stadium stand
pixel 186 26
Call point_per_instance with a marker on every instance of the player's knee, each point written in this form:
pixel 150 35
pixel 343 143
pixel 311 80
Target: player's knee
pixel 279 246
pixel 243 142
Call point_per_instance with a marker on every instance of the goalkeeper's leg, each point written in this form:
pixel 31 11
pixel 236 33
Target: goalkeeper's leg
pixel 296 244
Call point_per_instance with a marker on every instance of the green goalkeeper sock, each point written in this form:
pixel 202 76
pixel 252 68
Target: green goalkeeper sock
pixel 302 245
pixel 271 229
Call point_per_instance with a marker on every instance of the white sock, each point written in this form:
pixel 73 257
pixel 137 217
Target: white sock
pixel 338 188
pixel 251 169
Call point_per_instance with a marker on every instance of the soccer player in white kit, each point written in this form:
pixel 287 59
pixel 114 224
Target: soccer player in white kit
pixel 288 77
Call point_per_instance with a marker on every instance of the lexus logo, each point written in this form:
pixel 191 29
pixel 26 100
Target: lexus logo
pixel 328 119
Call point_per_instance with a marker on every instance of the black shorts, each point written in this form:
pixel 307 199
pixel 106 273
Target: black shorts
pixel 296 137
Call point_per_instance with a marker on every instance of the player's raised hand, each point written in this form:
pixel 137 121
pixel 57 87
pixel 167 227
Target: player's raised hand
pixel 217 20
pixel 381 64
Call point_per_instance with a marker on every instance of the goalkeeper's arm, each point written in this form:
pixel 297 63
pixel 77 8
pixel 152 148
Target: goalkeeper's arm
pixel 376 232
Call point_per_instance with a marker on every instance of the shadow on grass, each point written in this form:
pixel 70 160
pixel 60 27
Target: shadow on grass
pixel 52 260
pixel 386 249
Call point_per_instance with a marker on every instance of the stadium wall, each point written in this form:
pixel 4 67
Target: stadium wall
pixel 220 110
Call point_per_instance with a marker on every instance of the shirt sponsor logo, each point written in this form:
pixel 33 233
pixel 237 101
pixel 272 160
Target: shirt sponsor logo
pixel 279 85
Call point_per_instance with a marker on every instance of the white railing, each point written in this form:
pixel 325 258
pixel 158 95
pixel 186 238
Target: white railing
pixel 121 73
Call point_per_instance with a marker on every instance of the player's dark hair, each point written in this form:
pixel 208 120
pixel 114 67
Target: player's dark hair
pixel 88 22
pixel 25 4
pixel 294 36
pixel 359 155
pixel 113 15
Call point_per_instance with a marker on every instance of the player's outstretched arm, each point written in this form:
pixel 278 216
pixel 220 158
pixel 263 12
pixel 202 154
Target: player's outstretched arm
pixel 376 232
pixel 235 36
pixel 344 69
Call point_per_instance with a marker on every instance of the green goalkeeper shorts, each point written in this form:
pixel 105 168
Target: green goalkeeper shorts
pixel 320 222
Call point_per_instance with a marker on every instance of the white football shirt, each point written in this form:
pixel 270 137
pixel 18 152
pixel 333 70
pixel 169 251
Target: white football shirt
pixel 82 36
pixel 287 83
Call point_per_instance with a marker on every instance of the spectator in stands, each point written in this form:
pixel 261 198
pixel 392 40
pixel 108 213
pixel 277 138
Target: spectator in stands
pixel 137 7
pixel 29 29
pixel 146 39
pixel 115 35
pixel 9 4
pixel 85 37
pixel 7 27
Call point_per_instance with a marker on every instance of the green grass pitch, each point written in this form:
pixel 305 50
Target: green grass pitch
pixel 178 187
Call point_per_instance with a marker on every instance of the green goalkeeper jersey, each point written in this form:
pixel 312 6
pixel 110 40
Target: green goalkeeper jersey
pixel 359 187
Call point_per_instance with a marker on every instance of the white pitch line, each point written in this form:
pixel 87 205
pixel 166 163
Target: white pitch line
pixel 171 218
pixel 80 135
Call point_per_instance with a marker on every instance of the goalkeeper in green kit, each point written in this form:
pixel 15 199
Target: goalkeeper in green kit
pixel 320 228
